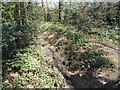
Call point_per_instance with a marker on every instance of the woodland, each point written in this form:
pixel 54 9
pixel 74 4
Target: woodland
pixel 60 45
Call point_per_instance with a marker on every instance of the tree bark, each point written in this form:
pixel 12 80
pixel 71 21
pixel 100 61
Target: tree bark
pixel 47 11
pixel 23 13
pixel 17 14
pixel 44 10
pixel 60 10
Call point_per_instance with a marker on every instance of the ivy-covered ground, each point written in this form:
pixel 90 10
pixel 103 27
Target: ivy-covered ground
pixel 24 66
pixel 83 61
pixel 53 55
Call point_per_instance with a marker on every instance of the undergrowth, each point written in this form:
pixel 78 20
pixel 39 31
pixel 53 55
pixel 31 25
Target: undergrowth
pixel 64 38
pixel 71 43
pixel 23 64
pixel 110 35
pixel 91 59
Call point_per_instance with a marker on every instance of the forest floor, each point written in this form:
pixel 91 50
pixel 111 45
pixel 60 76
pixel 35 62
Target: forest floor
pixel 94 78
pixel 59 56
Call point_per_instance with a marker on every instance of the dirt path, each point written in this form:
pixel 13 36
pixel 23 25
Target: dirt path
pixel 77 79
pixel 113 51
pixel 48 52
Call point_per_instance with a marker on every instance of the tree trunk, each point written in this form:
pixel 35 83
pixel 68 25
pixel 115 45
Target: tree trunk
pixel 44 10
pixel 60 11
pixel 17 14
pixel 118 13
pixel 48 14
pixel 23 13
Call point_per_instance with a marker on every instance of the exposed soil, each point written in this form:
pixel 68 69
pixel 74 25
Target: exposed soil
pixel 94 78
